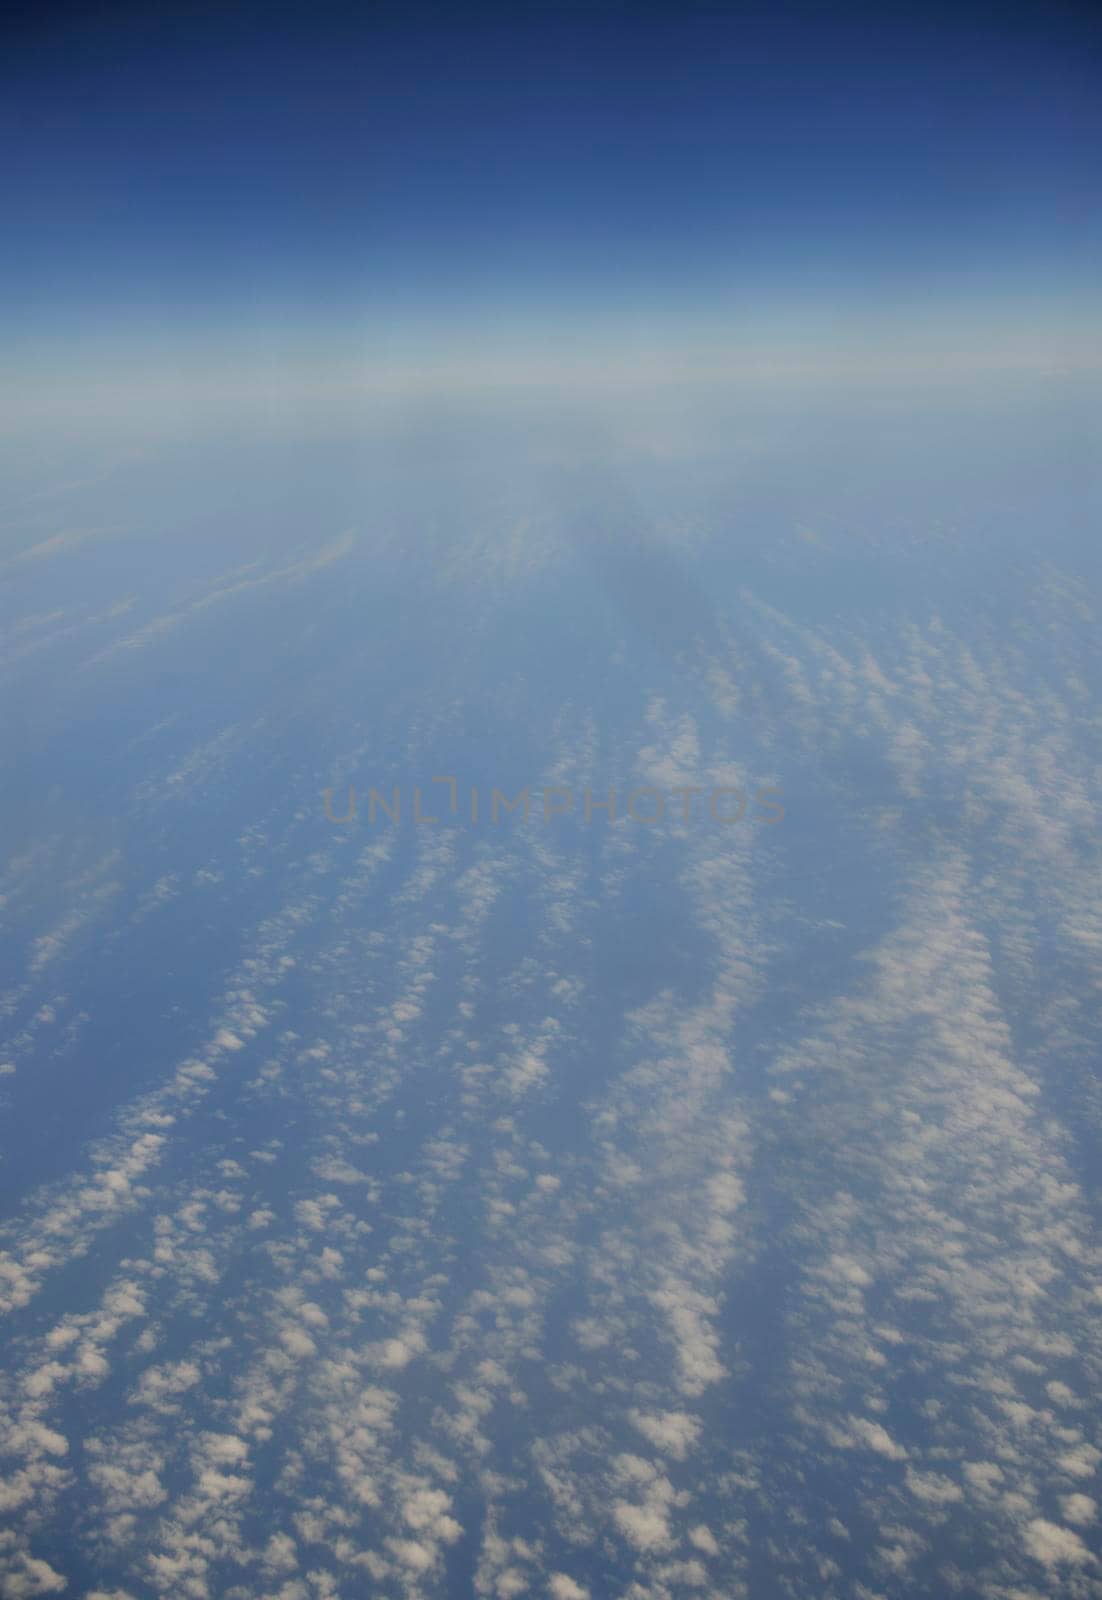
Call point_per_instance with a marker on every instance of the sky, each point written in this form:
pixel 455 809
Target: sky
pixel 688 403
pixel 206 191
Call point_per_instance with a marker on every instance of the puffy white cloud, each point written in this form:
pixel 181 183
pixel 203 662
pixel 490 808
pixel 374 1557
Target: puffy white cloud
pixel 1078 1508
pixel 674 1432
pixel 1054 1546
pixel 645 1526
pixel 562 1587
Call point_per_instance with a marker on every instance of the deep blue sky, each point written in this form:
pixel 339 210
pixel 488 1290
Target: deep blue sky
pixel 185 170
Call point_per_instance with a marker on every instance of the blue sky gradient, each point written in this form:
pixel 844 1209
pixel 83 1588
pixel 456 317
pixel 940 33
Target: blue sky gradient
pixel 383 183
